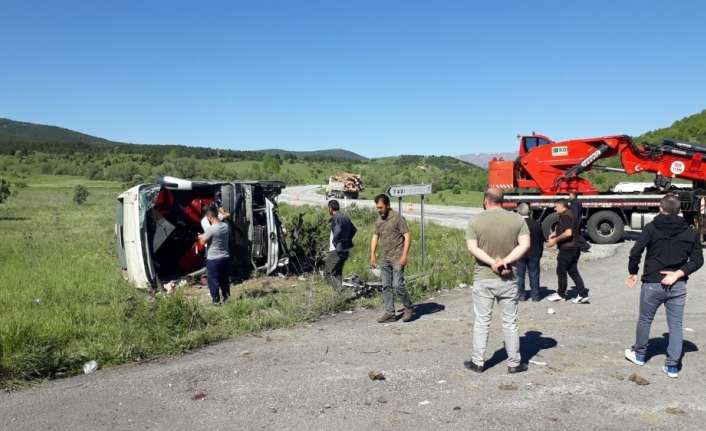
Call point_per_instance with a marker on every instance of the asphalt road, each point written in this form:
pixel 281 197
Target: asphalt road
pixel 316 376
pixel 451 216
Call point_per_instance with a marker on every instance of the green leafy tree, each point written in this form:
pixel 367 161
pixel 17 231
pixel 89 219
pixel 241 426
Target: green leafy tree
pixel 80 194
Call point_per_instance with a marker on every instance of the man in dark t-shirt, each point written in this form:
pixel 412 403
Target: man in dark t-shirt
pixel 566 237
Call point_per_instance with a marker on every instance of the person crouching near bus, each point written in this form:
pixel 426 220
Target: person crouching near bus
pixel 673 253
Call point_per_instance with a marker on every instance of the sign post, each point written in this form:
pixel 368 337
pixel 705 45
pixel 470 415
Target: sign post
pixel 398 191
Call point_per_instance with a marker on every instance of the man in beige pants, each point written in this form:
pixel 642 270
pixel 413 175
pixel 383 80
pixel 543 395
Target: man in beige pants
pixel 497 238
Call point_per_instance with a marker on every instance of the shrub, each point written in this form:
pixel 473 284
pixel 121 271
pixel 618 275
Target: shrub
pixel 80 194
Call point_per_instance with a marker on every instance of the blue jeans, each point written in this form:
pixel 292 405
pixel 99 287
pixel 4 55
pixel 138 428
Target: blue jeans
pixel 530 265
pixel 392 274
pixel 652 295
pixel 218 271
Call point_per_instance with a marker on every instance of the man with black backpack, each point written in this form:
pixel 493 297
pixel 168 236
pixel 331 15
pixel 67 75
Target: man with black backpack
pixel 569 241
pixel 340 244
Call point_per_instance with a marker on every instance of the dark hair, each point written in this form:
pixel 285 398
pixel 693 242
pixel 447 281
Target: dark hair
pixel 334 205
pixel 670 204
pixel 563 202
pixel 212 211
pixel 384 198
pixel 494 196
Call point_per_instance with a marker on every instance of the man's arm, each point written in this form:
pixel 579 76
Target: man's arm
pixel 405 249
pixel 696 258
pixel 636 252
pixel 372 259
pixel 636 256
pixel 523 244
pixel 336 229
pixel 204 237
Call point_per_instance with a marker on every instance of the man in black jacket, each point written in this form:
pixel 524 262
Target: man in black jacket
pixel 673 253
pixel 340 244
pixel 530 261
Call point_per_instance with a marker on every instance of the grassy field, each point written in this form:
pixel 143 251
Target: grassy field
pixel 63 301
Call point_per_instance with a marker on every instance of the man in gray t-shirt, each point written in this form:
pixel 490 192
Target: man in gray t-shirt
pixel 218 262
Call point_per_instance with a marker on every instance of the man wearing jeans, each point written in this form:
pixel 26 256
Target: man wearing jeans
pixel 530 261
pixel 392 234
pixel 496 238
pixel 673 253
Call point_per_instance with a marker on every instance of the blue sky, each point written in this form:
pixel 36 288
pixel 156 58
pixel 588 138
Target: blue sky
pixel 376 77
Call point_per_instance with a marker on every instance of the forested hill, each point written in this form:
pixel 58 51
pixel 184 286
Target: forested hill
pixel 688 129
pixel 22 137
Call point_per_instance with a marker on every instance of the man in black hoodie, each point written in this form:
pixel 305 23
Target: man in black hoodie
pixel 673 253
pixel 340 244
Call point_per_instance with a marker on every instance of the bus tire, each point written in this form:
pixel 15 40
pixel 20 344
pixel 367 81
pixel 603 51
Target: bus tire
pixel 605 227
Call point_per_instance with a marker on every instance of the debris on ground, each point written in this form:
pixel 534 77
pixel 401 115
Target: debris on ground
pixel 199 396
pixel 38 301
pixel 675 411
pixel 441 382
pixel 689 330
pixel 457 408
pixel 424 403
pixel 551 311
pixel 381 400
pixel 273 410
pixel 638 379
pixel 90 367
pixel 462 286
pixel 508 387
pixel 376 375
pixel 540 363
pixel 246 353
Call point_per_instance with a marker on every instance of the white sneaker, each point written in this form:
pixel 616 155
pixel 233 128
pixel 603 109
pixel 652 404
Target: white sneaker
pixel 580 300
pixel 672 372
pixel 632 357
pixel 554 297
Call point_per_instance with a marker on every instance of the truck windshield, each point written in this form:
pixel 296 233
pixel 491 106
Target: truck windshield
pixel 533 141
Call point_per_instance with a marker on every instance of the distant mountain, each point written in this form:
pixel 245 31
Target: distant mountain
pixel 24 137
pixel 482 159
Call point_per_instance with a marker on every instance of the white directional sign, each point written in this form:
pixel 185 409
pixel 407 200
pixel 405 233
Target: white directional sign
pixel 409 190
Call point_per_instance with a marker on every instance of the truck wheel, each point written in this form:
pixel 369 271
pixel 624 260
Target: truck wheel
pixel 549 224
pixel 605 227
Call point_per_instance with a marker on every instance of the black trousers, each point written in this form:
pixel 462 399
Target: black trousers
pixel 567 263
pixel 333 268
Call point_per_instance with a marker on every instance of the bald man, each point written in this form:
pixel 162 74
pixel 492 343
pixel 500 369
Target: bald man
pixel 497 239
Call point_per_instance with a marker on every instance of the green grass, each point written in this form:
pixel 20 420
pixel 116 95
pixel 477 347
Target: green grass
pixel 64 302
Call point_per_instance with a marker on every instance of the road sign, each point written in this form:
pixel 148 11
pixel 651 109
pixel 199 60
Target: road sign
pixel 409 190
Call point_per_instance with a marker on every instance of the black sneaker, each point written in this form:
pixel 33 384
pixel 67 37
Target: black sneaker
pixel 522 297
pixel 473 366
pixel 518 369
